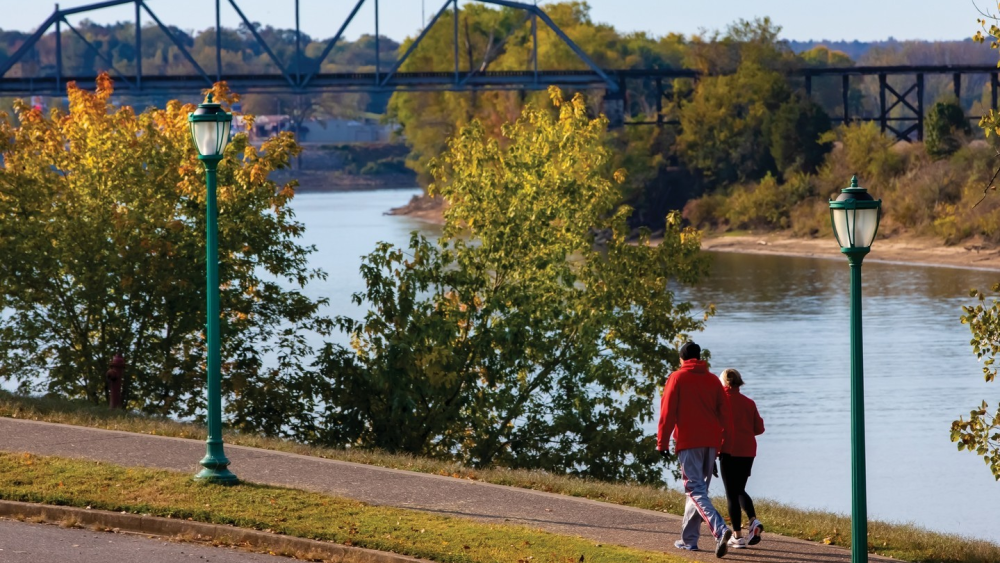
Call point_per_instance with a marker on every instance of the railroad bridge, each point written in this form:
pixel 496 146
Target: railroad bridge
pixel 900 110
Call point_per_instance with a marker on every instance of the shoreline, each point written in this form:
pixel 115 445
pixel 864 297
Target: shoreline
pixel 901 250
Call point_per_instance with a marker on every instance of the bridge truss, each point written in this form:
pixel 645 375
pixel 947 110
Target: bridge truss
pixel 900 111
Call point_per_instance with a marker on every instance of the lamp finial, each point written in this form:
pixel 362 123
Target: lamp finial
pixel 854 181
pixel 209 100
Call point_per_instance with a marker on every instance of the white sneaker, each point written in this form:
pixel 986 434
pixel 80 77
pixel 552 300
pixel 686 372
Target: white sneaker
pixel 737 543
pixel 679 544
pixel 756 530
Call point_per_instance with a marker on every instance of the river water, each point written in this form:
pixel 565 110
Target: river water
pixel 783 322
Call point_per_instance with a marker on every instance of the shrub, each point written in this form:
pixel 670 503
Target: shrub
pixel 946 127
pixel 869 152
pixel 705 211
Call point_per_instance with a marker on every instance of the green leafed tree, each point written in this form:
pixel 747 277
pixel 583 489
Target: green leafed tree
pixel 980 433
pixel 796 133
pixel 947 128
pixel 532 334
pixel 723 126
pixel 102 251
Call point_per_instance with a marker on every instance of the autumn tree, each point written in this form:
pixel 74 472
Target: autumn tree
pixel 532 334
pixel 102 251
pixel 980 434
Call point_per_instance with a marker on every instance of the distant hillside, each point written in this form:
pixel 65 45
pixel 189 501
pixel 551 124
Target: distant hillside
pixel 893 52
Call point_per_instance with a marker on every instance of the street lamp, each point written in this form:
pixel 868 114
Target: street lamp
pixel 210 126
pixel 855 216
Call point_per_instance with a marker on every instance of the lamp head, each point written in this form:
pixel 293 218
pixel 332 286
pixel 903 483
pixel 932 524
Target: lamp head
pixel 855 215
pixel 210 127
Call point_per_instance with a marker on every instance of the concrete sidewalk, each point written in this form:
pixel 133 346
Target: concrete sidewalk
pixel 601 522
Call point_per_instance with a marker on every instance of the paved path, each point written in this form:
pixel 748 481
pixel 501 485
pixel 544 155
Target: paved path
pixel 601 522
pixel 21 542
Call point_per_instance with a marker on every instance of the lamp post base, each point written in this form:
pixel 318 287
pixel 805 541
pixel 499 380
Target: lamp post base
pixel 216 470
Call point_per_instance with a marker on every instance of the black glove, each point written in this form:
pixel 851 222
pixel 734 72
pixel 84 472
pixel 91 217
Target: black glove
pixel 664 453
pixel 715 469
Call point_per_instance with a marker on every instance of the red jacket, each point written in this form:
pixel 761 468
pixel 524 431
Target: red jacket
pixel 693 410
pixel 746 423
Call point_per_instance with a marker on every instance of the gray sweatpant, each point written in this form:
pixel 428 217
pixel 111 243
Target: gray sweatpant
pixel 696 471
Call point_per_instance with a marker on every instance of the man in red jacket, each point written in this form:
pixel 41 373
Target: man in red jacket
pixel 694 410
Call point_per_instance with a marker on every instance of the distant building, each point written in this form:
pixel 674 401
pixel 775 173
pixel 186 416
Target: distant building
pixel 332 131
pixel 339 131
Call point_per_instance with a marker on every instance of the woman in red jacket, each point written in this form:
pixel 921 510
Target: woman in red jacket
pixel 738 451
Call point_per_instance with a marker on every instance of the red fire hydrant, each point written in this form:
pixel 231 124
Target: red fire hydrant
pixel 114 377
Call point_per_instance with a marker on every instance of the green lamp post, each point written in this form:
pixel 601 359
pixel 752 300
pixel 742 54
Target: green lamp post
pixel 210 126
pixel 855 215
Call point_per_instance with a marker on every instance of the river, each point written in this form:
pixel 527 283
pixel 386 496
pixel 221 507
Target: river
pixel 783 322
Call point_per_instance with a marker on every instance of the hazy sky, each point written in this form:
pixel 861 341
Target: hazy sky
pixel 801 19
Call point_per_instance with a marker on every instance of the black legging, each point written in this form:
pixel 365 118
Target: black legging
pixel 735 472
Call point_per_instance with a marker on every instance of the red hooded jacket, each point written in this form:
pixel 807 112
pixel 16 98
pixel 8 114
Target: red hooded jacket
pixel 746 424
pixel 694 409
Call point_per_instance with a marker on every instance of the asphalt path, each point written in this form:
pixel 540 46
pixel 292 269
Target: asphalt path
pixel 22 542
pixel 598 521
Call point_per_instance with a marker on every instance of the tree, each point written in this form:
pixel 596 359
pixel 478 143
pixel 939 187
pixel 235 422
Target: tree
pixel 980 434
pixel 796 132
pixel 744 41
pixel 102 221
pixel 723 126
pixel 532 334
pixel 946 127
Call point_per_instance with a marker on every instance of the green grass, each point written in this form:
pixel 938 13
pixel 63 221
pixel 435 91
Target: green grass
pixel 902 541
pixel 102 486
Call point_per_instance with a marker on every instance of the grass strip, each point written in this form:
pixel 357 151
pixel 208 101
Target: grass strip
pixel 103 486
pixel 902 541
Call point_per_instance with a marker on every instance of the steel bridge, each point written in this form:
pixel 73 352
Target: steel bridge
pixel 900 112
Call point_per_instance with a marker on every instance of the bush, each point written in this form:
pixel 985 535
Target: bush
pixel 869 153
pixel 392 165
pixel 946 128
pixel 705 211
pixel 768 204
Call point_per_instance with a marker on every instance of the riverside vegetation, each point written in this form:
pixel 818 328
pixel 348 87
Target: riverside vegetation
pixel 516 339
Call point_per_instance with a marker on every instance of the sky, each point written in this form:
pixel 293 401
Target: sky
pixel 864 20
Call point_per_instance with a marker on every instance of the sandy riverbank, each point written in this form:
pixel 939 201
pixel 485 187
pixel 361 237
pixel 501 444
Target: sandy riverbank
pixel 896 250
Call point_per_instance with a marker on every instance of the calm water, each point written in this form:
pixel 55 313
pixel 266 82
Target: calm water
pixel 783 322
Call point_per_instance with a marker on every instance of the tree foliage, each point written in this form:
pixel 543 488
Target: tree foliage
pixel 980 434
pixel 796 133
pixel 102 251
pixel 532 334
pixel 723 127
pixel 947 128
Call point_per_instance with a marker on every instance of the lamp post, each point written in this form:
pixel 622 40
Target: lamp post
pixel 210 126
pixel 855 216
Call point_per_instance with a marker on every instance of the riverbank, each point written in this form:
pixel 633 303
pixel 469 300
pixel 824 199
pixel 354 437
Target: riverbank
pixel 328 181
pixel 325 168
pixel 925 251
pixel 422 208
pixel 900 249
